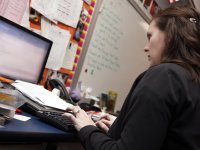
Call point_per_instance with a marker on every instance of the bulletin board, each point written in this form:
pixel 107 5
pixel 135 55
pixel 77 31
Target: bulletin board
pixel 30 14
pixel 115 55
pixel 66 72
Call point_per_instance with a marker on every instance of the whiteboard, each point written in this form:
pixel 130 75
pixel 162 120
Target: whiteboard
pixel 115 55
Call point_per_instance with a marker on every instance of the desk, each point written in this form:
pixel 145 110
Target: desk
pixel 34 130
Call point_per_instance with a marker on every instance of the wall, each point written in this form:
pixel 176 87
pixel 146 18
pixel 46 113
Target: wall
pixel 115 54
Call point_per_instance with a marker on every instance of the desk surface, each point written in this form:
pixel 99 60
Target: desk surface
pixel 33 130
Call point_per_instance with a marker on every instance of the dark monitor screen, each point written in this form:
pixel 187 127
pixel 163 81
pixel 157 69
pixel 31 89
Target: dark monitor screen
pixel 23 53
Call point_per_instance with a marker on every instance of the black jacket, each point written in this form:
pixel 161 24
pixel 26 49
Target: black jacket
pixel 161 112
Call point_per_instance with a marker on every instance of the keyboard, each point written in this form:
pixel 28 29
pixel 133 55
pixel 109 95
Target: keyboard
pixel 56 119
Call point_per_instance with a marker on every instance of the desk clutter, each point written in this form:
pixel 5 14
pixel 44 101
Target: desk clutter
pixel 40 95
pixel 10 100
pixel 39 102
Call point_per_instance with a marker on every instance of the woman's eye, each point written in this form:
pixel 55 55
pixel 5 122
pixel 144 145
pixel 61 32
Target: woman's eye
pixel 148 36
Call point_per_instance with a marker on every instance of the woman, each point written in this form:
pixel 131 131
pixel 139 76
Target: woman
pixel 162 110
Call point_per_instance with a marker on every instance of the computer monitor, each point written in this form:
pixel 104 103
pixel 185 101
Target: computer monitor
pixel 23 53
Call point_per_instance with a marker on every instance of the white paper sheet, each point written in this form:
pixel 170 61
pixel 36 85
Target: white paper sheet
pixel 65 11
pixel 39 94
pixel 3 6
pixel 60 40
pixel 11 11
pixel 46 7
pixel 21 117
pixel 70 56
pixel 68 11
pixel 25 19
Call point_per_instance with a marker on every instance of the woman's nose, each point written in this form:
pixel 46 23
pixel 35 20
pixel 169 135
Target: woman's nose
pixel 146 49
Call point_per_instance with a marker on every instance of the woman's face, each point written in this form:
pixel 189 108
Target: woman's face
pixel 155 45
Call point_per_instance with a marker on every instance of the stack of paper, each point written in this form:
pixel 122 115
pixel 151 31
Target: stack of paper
pixel 40 95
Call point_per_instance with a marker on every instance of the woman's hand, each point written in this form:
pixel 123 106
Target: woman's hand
pixel 105 122
pixel 79 117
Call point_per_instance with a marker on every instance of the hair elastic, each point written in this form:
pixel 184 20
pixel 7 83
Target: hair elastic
pixel 193 20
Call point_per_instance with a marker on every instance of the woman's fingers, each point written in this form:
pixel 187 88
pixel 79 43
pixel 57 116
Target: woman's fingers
pixel 102 126
pixel 108 117
pixel 107 122
pixel 70 116
pixel 79 117
pixel 72 108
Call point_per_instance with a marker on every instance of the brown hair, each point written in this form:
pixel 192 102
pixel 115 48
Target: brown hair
pixel 182 27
